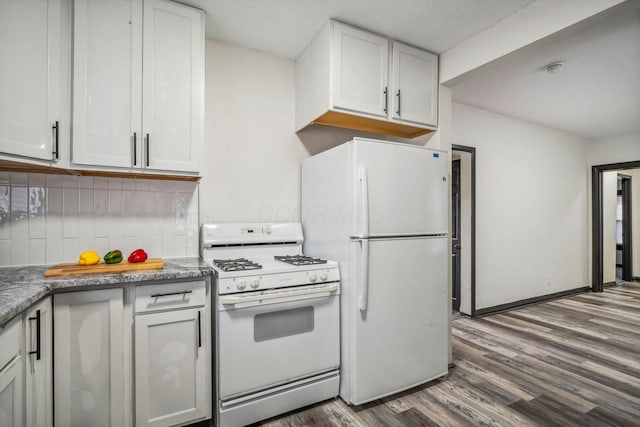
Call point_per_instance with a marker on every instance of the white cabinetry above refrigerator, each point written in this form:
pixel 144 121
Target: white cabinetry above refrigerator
pixel 354 79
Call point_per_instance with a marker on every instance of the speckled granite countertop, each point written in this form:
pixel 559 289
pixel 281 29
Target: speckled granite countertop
pixel 20 287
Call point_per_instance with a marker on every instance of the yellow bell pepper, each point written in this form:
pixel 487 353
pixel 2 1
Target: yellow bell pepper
pixel 89 258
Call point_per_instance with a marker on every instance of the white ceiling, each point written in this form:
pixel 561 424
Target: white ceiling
pixel 596 95
pixel 284 27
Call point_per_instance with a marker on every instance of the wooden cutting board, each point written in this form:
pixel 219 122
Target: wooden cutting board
pixel 73 268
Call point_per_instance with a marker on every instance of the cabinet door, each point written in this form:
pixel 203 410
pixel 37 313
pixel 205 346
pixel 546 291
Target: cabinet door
pixel 29 77
pixel 360 71
pixel 415 85
pixel 173 86
pixel 88 358
pixel 11 394
pixel 39 365
pixel 171 368
pixel 107 102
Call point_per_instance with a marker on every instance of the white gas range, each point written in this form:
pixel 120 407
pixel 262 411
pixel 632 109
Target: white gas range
pixel 277 321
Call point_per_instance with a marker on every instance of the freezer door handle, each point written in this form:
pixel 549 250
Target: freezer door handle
pixel 364 276
pixel 364 199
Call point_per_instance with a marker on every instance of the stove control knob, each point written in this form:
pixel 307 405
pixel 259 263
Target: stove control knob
pixel 324 276
pixel 241 285
pixel 254 283
pixel 313 277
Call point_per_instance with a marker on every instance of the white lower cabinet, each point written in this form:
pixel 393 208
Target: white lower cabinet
pixel 11 374
pixel 38 365
pixel 88 358
pixel 172 374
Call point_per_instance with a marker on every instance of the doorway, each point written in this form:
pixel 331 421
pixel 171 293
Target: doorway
pixel 598 193
pixel 624 227
pixel 456 213
pixel 463 235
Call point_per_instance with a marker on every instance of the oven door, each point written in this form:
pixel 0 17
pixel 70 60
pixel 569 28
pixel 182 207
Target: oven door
pixel 270 338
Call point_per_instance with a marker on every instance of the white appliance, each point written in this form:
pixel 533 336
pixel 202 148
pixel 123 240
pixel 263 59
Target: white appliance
pixel 277 321
pixel 380 209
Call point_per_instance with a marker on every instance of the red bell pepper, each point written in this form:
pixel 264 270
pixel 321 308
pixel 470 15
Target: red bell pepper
pixel 139 255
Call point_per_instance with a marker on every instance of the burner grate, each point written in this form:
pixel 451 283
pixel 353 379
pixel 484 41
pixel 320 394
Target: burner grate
pixel 300 260
pixel 239 264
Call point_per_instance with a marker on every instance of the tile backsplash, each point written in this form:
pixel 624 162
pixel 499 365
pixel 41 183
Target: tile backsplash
pixel 48 219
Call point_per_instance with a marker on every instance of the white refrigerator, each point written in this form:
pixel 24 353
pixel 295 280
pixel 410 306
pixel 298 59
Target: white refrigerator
pixel 380 209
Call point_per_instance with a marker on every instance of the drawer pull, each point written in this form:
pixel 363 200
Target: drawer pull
pixel 171 293
pixel 37 319
pixel 199 331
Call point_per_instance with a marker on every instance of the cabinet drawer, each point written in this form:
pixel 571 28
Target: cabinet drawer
pixel 10 341
pixel 170 296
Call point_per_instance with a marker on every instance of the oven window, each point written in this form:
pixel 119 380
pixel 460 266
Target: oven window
pixel 279 324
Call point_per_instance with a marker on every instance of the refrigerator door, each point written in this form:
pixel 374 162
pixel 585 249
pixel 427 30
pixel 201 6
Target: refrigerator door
pixel 397 333
pixel 399 189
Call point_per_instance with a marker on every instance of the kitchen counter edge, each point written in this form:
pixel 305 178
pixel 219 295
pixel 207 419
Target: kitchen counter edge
pixel 21 287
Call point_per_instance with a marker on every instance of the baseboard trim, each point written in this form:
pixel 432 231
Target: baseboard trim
pixel 636 279
pixel 610 283
pixel 529 301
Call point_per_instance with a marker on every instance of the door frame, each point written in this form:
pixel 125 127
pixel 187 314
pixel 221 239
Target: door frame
pixel 597 250
pixel 472 151
pixel 456 228
pixel 627 228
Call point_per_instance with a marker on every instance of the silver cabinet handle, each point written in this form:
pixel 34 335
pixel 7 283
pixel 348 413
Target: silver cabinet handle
pixel 398 95
pixel 386 99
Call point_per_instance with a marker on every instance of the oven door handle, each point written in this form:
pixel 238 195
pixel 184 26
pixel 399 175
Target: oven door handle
pixel 319 291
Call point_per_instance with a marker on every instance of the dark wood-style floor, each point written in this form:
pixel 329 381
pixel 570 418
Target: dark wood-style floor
pixel 569 362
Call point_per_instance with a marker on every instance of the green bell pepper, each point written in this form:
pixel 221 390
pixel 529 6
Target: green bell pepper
pixel 113 257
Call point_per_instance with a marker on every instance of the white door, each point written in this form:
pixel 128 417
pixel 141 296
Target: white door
pixel 29 77
pixel 399 189
pixel 297 338
pixel 173 86
pixel 415 85
pixel 360 71
pixel 11 394
pixel 88 358
pixel 107 83
pixel 171 367
pixel 39 365
pixel 399 324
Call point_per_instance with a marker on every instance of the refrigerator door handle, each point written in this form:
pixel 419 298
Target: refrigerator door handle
pixel 364 276
pixel 364 199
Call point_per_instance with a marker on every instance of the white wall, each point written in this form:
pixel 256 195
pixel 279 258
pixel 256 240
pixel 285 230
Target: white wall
pixel 534 22
pixel 617 149
pixel 532 207
pixel 609 204
pixel 251 169
pixel 48 219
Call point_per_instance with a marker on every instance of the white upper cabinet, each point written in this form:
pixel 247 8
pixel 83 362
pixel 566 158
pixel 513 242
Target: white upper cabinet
pixel 173 85
pixel 107 73
pixel 360 73
pixel 415 85
pixel 138 84
pixel 354 79
pixel 30 78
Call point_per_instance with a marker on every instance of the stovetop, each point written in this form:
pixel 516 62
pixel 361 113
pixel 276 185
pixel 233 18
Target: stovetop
pixel 238 264
pixel 300 259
